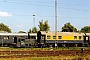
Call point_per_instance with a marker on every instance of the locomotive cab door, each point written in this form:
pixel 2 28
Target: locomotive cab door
pixel 86 39
pixel 40 39
pixel 43 39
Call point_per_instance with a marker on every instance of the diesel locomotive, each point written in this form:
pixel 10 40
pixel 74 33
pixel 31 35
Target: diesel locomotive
pixel 67 39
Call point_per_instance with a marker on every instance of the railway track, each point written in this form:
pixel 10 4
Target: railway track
pixel 37 53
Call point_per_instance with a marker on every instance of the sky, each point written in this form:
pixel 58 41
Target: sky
pixel 18 14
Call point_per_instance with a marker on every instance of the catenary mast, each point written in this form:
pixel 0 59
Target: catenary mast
pixel 56 22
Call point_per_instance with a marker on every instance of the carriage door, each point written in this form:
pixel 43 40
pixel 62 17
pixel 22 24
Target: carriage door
pixel 15 39
pixel 86 39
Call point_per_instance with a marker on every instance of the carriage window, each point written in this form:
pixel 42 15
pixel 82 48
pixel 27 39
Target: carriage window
pixel 54 37
pixel 48 37
pixel 59 37
pixel 23 40
pixel 80 37
pixel 13 37
pixel 19 40
pixel 6 37
pixel 32 37
pixel 75 37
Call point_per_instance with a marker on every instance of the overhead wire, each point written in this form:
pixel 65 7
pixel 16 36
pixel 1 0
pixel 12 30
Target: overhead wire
pixel 53 2
pixel 45 5
pixel 25 3
pixel 58 3
pixel 51 16
pixel 48 6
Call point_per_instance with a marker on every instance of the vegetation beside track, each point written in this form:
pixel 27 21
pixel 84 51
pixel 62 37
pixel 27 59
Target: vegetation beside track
pixel 59 48
pixel 86 57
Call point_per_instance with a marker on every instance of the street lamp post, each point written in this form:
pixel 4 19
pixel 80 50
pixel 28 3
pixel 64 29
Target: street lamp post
pixel 33 20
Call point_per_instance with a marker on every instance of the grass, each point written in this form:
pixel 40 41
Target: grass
pixel 49 58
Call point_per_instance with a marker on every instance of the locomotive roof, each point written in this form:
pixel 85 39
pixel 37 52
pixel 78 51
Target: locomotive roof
pixel 63 33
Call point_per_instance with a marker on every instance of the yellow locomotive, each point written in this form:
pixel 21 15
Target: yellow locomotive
pixel 64 38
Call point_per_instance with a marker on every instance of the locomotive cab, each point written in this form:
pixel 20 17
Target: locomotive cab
pixel 40 39
pixel 86 40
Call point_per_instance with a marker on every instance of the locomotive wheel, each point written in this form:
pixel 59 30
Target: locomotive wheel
pixel 63 45
pixel 76 45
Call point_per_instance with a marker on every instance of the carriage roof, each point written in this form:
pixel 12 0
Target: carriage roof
pixel 18 34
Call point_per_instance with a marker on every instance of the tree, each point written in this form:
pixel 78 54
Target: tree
pixel 30 31
pixel 68 28
pixel 21 32
pixel 4 27
pixel 85 29
pixel 43 26
pixel 34 30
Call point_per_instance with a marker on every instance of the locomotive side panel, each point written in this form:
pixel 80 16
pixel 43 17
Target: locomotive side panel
pixel 64 38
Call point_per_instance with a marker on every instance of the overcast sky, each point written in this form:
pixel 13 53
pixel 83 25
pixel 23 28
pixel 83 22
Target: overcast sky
pixel 18 14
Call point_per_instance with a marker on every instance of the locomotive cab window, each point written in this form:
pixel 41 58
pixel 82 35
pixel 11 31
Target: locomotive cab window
pixel 48 37
pixel 54 37
pixel 80 37
pixel 75 37
pixel 59 37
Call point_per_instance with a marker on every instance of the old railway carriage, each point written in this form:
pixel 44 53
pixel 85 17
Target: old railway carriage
pixel 7 39
pixel 17 39
pixel 65 38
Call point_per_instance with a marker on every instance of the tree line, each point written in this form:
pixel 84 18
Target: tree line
pixel 44 26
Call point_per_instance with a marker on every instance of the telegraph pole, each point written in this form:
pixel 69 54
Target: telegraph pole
pixel 56 22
